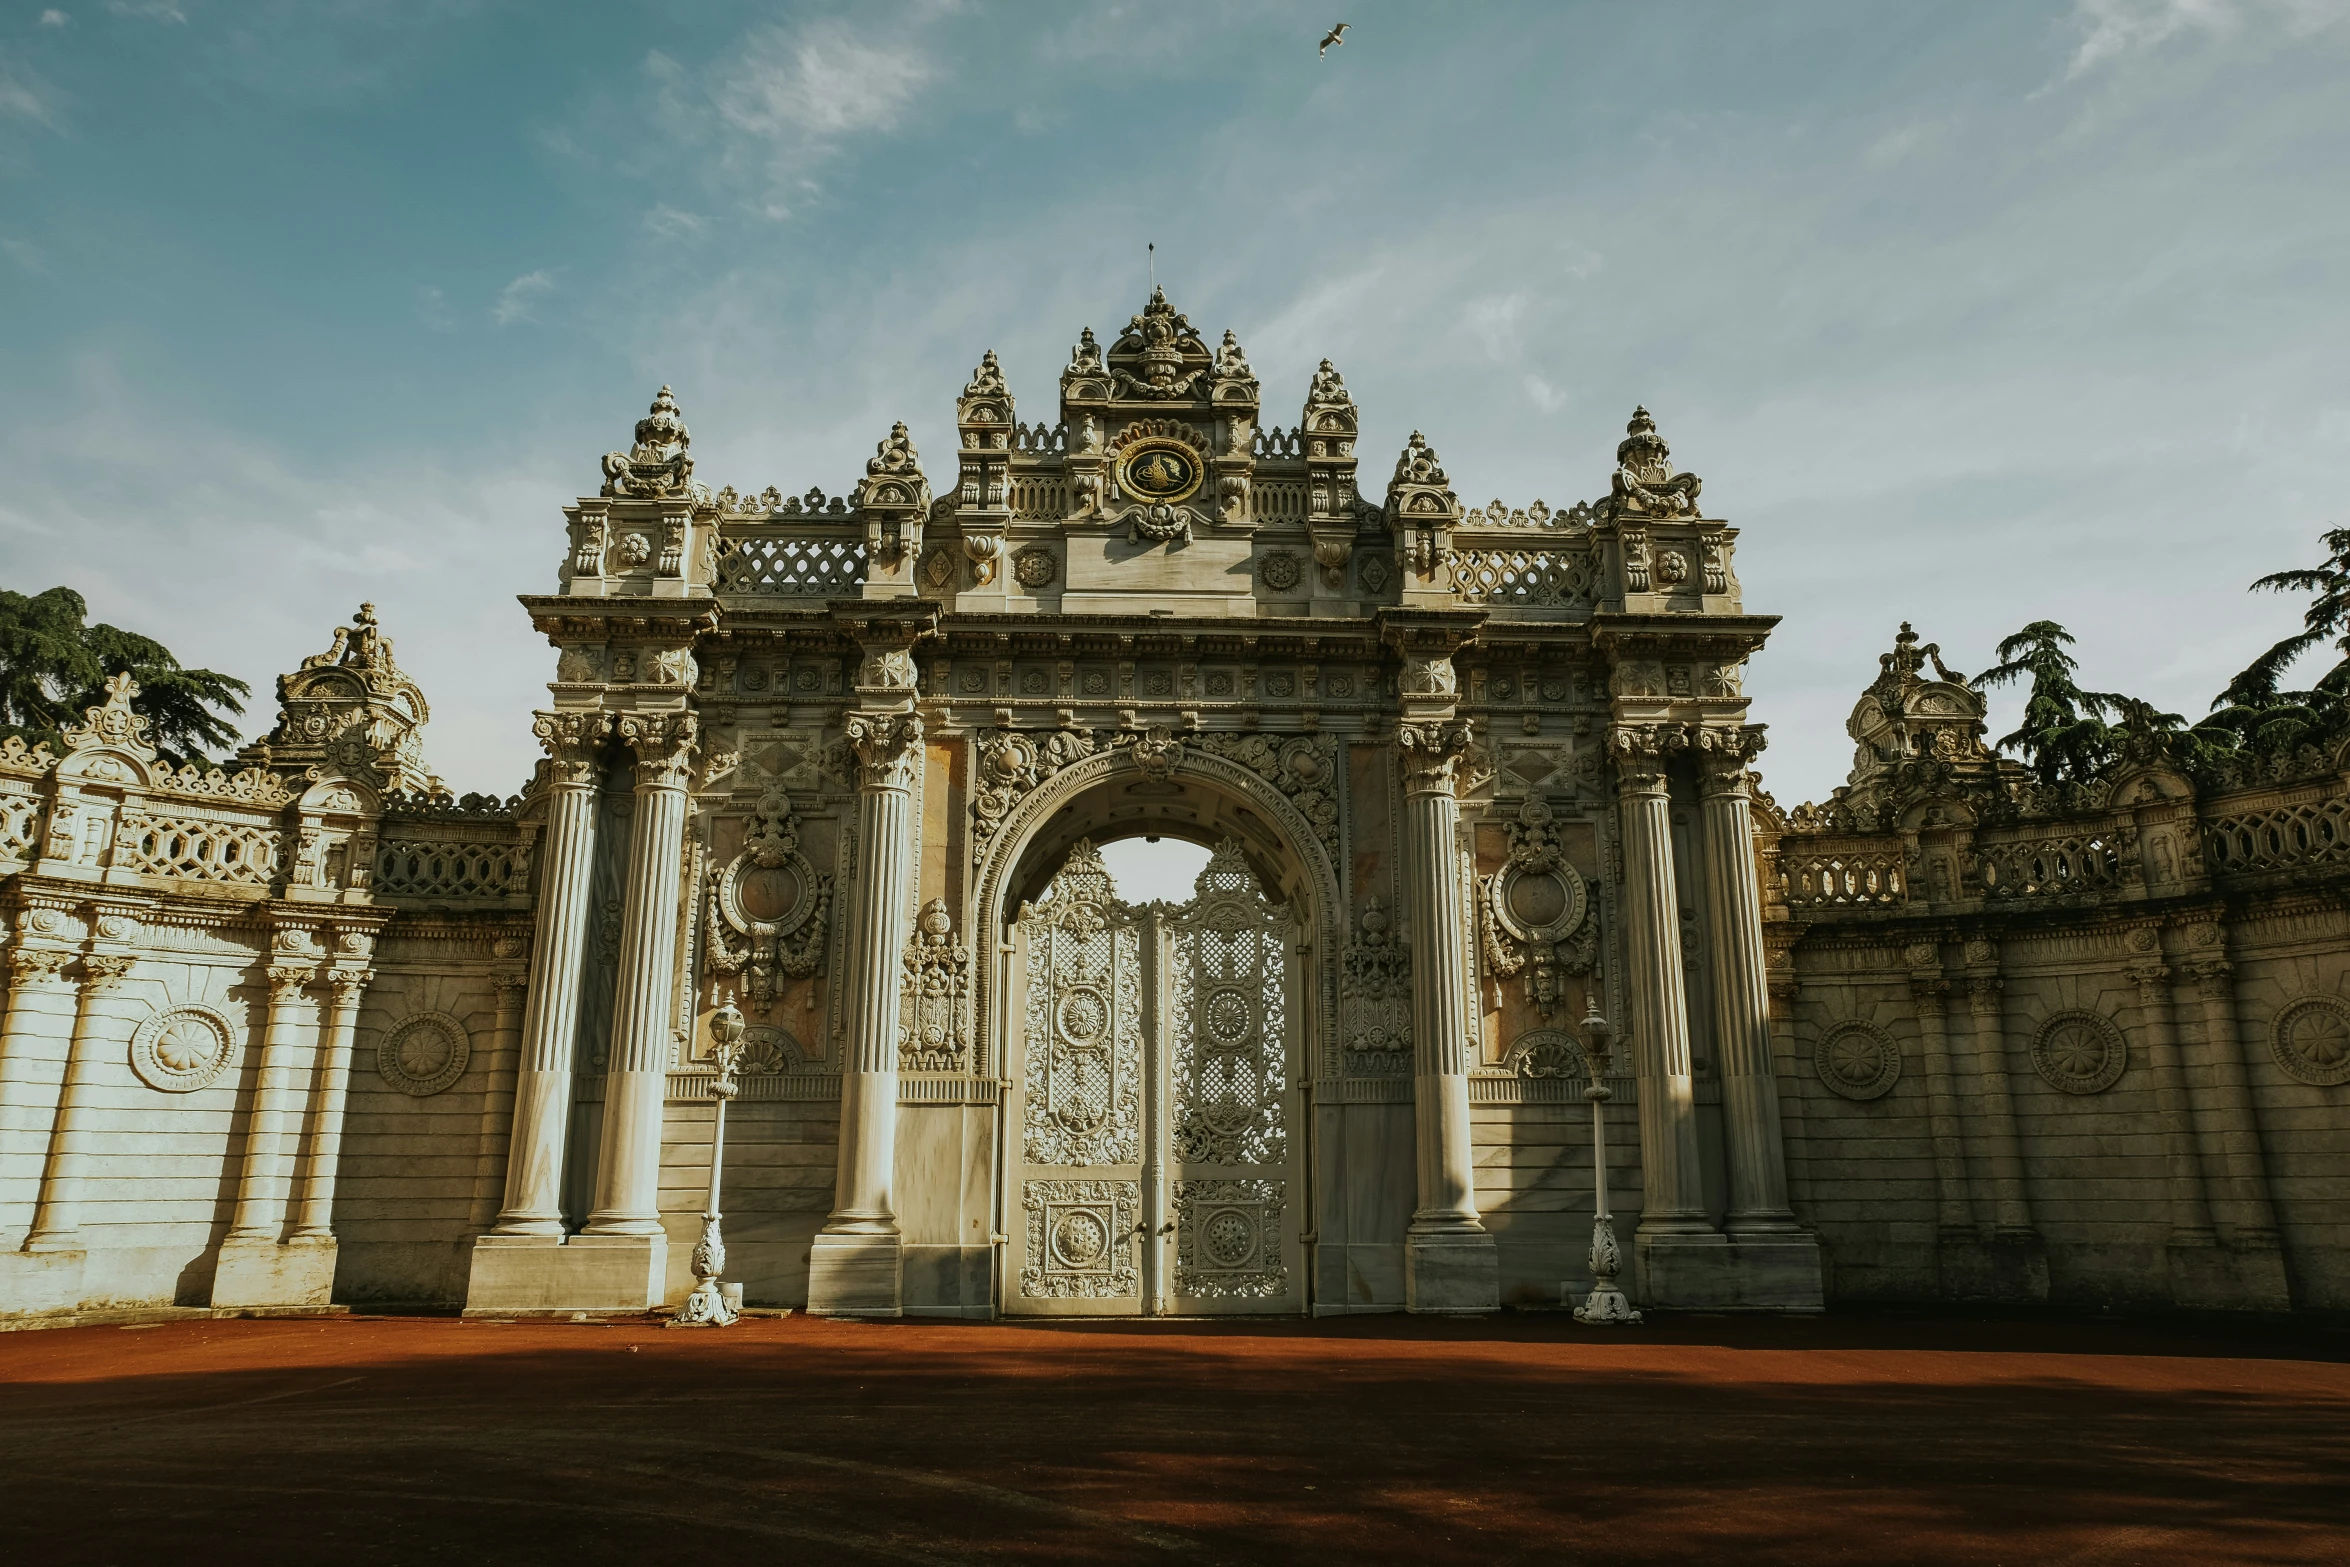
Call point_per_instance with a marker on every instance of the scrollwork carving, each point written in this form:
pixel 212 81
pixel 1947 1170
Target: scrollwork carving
pixel 1375 994
pixel 664 746
pixel 1432 753
pixel 934 1030
pixel 1534 911
pixel 773 899
pixel 1010 764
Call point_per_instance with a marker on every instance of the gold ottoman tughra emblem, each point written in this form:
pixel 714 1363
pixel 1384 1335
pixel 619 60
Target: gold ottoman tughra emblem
pixel 1159 469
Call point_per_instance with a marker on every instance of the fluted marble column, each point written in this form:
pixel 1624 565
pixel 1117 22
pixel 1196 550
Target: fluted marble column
pixel 628 1169
pixel 1450 1253
pixel 57 1222
pixel 854 1263
pixel 1673 1201
pixel 1742 1019
pixel 550 1027
pixel 314 1221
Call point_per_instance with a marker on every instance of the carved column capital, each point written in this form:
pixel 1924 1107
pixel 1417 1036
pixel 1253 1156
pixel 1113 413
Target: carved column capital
pixel 664 746
pixel 38 966
pixel 2151 979
pixel 2211 977
pixel 287 981
pixel 1724 755
pixel 888 747
pixel 102 971
pixel 1431 753
pixel 572 742
pixel 1642 752
pixel 348 984
pixel 1982 994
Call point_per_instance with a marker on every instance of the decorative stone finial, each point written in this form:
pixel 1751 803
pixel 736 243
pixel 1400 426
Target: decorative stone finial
pixel 1645 483
pixel 657 466
pixel 112 723
pixel 1418 462
pixel 988 379
pixel 1329 391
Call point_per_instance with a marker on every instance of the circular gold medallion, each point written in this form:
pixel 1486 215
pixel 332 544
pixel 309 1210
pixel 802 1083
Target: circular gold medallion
pixel 1159 468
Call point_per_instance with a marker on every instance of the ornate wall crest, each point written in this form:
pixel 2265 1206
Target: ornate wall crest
pixel 1855 1061
pixel 1645 484
pixel 2311 1041
pixel 1535 910
pixel 423 1054
pixel 934 1030
pixel 1034 567
pixel 767 911
pixel 1160 469
pixel 2079 1053
pixel 1304 767
pixel 1282 571
pixel 183 1048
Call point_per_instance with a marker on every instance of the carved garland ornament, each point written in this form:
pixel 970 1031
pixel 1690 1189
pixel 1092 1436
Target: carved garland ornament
pixel 1375 995
pixel 1304 767
pixel 183 1049
pixel 2311 1041
pixel 934 1031
pixel 1010 764
pixel 1856 1061
pixel 423 1054
pixel 2079 1053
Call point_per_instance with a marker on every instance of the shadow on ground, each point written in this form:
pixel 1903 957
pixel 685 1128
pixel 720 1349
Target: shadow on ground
pixel 1862 1439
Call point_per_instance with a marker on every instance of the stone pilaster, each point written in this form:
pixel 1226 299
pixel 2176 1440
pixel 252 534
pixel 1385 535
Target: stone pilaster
pixel 57 1221
pixel 1450 1261
pixel 2013 1261
pixel 1929 991
pixel 34 1042
pixel 330 1091
pixel 498 1099
pixel 1777 1262
pixel 626 1220
pixel 854 1264
pixel 1655 984
pixel 855 1261
pixel 2251 1271
pixel 254 1268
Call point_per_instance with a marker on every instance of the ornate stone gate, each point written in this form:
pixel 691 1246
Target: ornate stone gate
pixel 1473 756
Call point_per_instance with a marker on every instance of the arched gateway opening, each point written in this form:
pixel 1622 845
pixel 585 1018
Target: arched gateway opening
pixel 1157 1051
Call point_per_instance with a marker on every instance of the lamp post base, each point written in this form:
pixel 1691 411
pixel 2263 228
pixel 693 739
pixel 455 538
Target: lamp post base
pixel 707 1306
pixel 1606 1303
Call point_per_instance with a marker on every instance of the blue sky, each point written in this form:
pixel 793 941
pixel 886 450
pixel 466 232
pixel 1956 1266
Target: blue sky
pixel 1968 314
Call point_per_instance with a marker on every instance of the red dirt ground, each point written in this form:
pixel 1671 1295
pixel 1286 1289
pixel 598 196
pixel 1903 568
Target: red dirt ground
pixel 1851 1439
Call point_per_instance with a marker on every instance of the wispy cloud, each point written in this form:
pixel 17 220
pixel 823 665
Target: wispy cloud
pixel 2111 29
pixel 670 223
pixel 518 299
pixel 54 18
pixel 23 253
pixel 150 10
pixel 790 97
pixel 432 308
pixel 24 96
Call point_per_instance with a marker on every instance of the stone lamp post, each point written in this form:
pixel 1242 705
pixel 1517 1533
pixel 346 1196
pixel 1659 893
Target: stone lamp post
pixel 708 1306
pixel 1605 1303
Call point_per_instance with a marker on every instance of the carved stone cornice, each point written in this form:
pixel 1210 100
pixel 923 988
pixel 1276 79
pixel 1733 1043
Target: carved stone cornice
pixel 1724 755
pixel 1431 753
pixel 888 747
pixel 1642 752
pixel 573 741
pixel 664 746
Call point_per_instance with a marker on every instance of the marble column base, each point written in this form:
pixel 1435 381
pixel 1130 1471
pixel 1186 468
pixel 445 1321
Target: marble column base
pixel 856 1275
pixel 518 1273
pixel 1451 1274
pixel 261 1272
pixel 2208 1276
pixel 1715 1272
pixel 2006 1265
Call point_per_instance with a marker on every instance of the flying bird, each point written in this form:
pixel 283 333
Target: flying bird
pixel 1336 35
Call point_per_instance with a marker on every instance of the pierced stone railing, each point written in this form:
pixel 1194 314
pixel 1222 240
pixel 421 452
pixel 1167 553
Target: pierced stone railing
pixel 2068 865
pixel 200 848
pixel 1271 441
pixel 1040 499
pixel 767 558
pixel 1847 876
pixel 1278 500
pixel 20 823
pixel 2315 832
pixel 1040 440
pixel 1516 577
